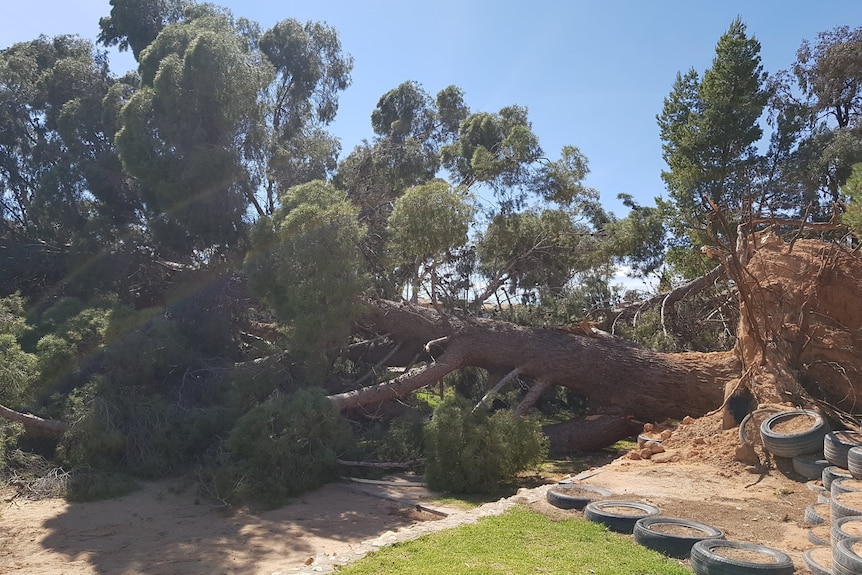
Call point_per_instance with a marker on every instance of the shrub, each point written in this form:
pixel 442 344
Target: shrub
pixel 473 451
pixel 145 435
pixel 283 447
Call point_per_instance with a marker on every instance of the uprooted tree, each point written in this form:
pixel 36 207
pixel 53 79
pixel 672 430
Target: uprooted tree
pixel 797 344
pixel 140 187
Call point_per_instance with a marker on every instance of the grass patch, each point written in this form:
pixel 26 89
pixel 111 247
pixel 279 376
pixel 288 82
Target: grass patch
pixel 517 542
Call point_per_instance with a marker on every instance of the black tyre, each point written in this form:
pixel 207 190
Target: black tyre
pixel 619 516
pixel 854 461
pixel 816 486
pixel 836 445
pixel 818 560
pixel 845 485
pixel 749 429
pixel 671 536
pixel 845 528
pixel 816 514
pixel 831 473
pixel 809 440
pixel 820 535
pixel 845 505
pixel 847 556
pixel 810 466
pixel 717 557
pixel 574 496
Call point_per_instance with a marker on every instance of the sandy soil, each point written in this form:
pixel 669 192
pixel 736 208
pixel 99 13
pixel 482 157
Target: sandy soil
pixel 162 530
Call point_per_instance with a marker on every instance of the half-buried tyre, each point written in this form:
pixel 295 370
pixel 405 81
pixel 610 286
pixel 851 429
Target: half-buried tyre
pixel 810 466
pixel 845 505
pixel 619 516
pixel 671 536
pixel 845 528
pixel 847 556
pixel 854 462
pixel 717 557
pixel 818 560
pixel 837 445
pixel 574 496
pixel 792 433
pixel 844 485
pixel 832 473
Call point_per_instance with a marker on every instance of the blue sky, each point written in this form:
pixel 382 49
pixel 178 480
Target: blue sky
pixel 593 74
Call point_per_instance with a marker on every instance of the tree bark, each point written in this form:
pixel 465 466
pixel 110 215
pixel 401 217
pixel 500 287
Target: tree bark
pixel 611 374
pixel 35 426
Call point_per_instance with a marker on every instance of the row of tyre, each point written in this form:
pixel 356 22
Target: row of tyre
pixel 835 459
pixel 706 547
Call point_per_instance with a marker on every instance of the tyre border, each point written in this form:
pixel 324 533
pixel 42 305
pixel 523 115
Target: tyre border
pixel 678 546
pixel 812 565
pixel 615 521
pixel 564 501
pixel 844 556
pixel 705 561
pixel 791 444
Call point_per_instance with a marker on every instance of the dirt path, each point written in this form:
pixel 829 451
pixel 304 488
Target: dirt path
pixel 160 530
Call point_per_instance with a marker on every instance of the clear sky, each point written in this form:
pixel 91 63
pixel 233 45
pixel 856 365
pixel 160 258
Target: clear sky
pixel 592 73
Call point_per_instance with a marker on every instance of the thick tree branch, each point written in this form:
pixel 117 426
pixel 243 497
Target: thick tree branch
pixel 35 425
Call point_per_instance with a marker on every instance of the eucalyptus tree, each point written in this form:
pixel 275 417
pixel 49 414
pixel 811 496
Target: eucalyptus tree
pixel 410 126
pixel 134 24
pixel 310 71
pixel 226 113
pixel 62 189
pixel 823 92
pixel 427 227
pixel 184 131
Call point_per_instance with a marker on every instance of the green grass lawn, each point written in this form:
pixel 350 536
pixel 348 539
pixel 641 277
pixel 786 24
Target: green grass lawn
pixel 518 542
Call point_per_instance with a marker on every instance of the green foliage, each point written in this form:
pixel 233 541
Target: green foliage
pixel 71 334
pixel 853 188
pixel 181 131
pixel 18 371
pixel 279 449
pixel 305 263
pixel 136 23
pixel 709 126
pixel 471 450
pixel 638 239
pixel 536 248
pixel 18 368
pixel 120 429
pixel 87 484
pixel 10 434
pixel 429 222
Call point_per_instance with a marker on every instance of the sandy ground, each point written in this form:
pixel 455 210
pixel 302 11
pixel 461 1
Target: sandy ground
pixel 162 530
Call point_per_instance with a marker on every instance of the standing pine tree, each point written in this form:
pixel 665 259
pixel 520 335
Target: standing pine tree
pixel 708 128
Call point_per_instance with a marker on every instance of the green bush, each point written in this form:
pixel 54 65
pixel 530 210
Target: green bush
pixel 146 435
pixel 475 451
pixel 283 447
pixel 93 484
pixel 18 370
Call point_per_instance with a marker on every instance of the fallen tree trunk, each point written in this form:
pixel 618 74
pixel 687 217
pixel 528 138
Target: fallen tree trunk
pixel 613 376
pixel 798 344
